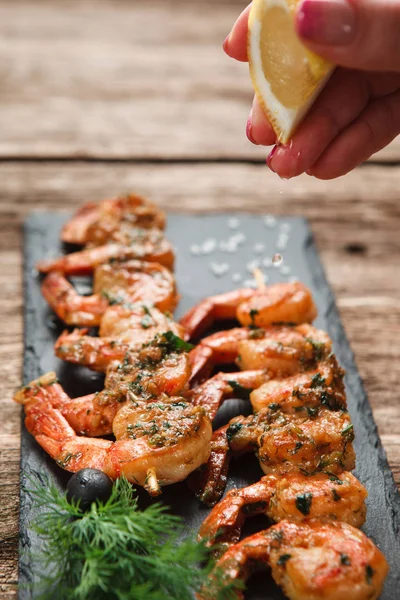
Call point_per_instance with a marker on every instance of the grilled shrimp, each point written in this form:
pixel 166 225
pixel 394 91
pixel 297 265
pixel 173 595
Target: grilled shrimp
pixel 279 349
pixel 116 283
pixel 122 329
pixel 284 443
pixel 311 560
pixel 294 496
pixel 97 223
pixel 159 367
pixel 157 443
pixel 149 245
pixel 278 303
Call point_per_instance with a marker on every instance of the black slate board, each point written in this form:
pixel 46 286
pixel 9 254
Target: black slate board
pixel 197 278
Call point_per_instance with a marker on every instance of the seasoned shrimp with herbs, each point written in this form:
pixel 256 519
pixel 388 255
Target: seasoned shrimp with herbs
pixel 156 444
pixel 278 303
pixel 159 367
pixel 96 223
pixel 310 560
pixel 149 245
pixel 122 329
pixel 293 496
pixel 114 283
pixel 278 349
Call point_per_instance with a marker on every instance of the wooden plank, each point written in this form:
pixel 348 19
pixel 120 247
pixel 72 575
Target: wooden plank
pixel 117 79
pixel 355 220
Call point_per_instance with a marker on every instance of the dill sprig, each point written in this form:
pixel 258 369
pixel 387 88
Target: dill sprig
pixel 117 551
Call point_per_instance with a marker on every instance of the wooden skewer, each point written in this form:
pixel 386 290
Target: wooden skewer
pixel 260 279
pixel 151 484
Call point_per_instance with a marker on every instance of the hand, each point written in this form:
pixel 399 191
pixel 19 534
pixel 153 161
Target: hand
pixel 358 112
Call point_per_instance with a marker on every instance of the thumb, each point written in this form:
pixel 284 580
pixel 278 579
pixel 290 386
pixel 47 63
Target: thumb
pixel 359 34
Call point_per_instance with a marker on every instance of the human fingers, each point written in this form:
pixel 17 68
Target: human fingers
pixel 235 44
pixel 258 129
pixel 374 129
pixel 344 98
pixel 358 34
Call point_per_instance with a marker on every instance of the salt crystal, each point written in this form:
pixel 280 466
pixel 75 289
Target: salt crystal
pixel 233 223
pixel 219 269
pixel 195 250
pixel 267 262
pixel 269 221
pixel 258 248
pixel 250 283
pixel 208 246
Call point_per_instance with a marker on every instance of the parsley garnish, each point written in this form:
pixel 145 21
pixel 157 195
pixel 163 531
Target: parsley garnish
pixel 233 430
pixel 345 560
pixel 348 433
pixel 303 503
pixel 282 560
pixel 317 381
pixel 369 573
pixel 175 343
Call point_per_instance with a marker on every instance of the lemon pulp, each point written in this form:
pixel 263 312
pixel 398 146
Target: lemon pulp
pixel 287 77
pixel 284 59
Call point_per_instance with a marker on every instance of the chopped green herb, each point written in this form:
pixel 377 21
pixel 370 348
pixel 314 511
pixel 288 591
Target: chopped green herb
pixel 369 573
pixel 334 478
pixel 335 495
pixel 312 412
pixel 282 560
pixel 303 503
pixel 233 430
pixel 274 406
pixel 348 433
pixel 345 560
pixel 318 348
pixel 317 381
pixel 175 343
pixel 253 313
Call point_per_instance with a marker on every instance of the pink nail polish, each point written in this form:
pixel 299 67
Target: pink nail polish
pixel 270 157
pixel 327 22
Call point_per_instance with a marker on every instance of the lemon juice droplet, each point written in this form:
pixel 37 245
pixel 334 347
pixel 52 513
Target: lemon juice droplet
pixel 277 260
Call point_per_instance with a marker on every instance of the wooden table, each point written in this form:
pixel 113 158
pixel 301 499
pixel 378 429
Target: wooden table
pixel 97 98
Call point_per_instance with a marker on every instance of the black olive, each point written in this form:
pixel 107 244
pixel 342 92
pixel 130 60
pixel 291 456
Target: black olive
pixel 87 486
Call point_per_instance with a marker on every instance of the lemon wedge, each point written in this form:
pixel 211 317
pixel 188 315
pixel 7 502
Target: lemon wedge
pixel 287 77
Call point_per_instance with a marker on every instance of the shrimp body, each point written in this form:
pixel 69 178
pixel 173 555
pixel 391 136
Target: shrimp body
pixel 278 303
pixel 286 444
pixel 149 245
pixel 120 283
pixel 95 223
pixel 280 350
pixel 294 496
pixel 122 329
pixel 309 560
pixel 168 439
pixel 303 393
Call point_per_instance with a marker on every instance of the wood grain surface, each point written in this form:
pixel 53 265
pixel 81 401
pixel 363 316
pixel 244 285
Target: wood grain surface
pixel 120 78
pixel 101 97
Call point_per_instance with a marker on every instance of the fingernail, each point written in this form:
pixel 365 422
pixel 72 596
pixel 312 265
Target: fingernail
pixel 327 22
pixel 270 157
pixel 248 129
